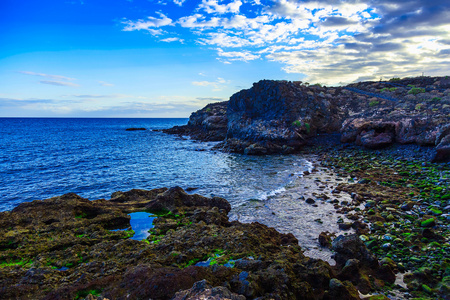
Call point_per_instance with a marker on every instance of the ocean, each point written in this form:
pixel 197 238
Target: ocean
pixel 42 158
pixel 46 157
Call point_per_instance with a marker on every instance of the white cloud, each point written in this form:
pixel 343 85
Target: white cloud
pixel 104 83
pixel 59 83
pixel 217 85
pixel 237 55
pixel 198 21
pixel 179 2
pixel 148 24
pixel 322 39
pixel 213 7
pixel 172 39
pixel 58 77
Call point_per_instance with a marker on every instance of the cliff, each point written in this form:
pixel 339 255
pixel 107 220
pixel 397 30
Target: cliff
pixel 283 116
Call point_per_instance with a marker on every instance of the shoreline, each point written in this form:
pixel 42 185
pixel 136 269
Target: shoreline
pixel 378 211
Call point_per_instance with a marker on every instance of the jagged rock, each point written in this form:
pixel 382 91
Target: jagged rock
pixel 278 113
pixel 351 247
pixel 325 239
pixel 206 124
pixel 342 290
pixel 176 197
pixel 64 248
pixel 282 116
pixel 443 144
pixel 202 290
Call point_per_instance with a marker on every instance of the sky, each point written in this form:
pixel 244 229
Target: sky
pixel 154 58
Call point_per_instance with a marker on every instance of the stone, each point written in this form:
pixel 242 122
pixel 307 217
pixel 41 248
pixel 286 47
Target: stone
pixel 134 129
pixel 342 290
pixel 202 290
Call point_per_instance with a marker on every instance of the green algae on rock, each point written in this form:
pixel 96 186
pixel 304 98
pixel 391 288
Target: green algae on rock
pixel 409 228
pixel 63 248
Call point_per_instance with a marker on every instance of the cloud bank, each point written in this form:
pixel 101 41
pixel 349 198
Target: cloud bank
pixel 328 41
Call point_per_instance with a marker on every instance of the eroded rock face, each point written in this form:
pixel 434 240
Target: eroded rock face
pixel 63 248
pixel 202 290
pixel 356 263
pixel 206 124
pixel 273 114
pixel 282 116
pixel 443 144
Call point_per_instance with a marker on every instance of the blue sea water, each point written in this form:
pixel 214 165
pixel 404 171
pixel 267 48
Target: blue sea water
pixel 45 157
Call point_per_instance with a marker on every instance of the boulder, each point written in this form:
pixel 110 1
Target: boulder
pixel 176 198
pixel 443 144
pixel 274 114
pixel 202 290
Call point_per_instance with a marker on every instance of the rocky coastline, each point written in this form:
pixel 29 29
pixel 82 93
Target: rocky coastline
pixel 283 116
pixel 68 247
pixel 392 143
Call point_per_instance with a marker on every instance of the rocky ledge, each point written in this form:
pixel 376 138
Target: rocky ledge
pixel 282 116
pixel 68 247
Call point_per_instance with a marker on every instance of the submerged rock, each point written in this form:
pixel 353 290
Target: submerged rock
pixel 135 129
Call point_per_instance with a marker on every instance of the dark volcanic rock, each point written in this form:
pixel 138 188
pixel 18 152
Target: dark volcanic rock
pixel 283 116
pixel 135 129
pixel 176 198
pixel 276 114
pixel 202 290
pixel 357 263
pixel 63 248
pixel 206 124
pixel 443 144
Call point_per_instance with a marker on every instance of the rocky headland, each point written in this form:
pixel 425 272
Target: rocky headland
pixel 282 116
pixel 388 140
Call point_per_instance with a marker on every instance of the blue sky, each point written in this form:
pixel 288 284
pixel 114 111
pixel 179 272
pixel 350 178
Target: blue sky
pixel 152 58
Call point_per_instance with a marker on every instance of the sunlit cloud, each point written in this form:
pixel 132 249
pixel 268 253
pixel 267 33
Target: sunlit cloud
pixel 325 40
pixel 59 83
pixel 217 85
pixel 149 24
pixel 172 39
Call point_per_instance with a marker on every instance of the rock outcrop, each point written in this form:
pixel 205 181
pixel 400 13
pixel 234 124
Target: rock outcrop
pixel 68 247
pixel 206 124
pixel 282 116
pixel 278 116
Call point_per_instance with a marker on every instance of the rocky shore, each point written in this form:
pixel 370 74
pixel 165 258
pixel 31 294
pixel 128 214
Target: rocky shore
pixel 390 138
pixel 68 247
pixel 283 116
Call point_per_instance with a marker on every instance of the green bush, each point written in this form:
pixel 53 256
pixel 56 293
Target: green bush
pixel 415 91
pixel 297 123
pixel 394 79
pixel 374 103
pixel 392 89
pixel 384 89
pixel 436 99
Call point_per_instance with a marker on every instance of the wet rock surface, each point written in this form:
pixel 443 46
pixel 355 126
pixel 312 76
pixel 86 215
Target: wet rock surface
pixel 68 247
pixel 405 207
